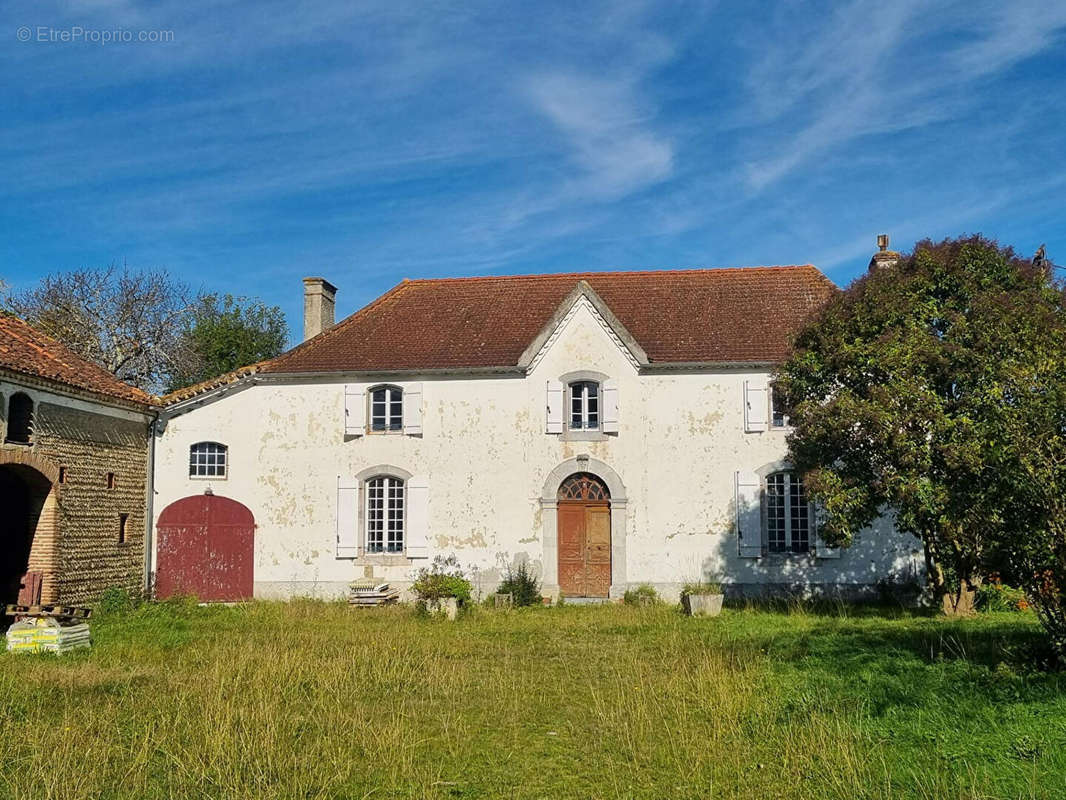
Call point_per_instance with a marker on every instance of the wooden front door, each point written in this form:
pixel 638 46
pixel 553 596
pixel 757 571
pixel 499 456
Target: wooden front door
pixel 584 525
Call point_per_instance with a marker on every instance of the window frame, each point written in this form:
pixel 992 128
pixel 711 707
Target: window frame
pixel 394 395
pixel 586 401
pixel 223 451
pixel 785 418
pixel 383 517
pixel 30 418
pixel 788 495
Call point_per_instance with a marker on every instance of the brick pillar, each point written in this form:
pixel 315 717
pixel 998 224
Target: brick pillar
pixel 44 552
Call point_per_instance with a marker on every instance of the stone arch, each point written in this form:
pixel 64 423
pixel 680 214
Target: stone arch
pixel 584 464
pixel 29 528
pixel 549 505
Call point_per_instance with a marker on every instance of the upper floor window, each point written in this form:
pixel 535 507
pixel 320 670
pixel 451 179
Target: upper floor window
pixel 788 514
pixel 384 514
pixel 779 410
pixel 208 460
pixel 20 418
pixel 386 408
pixel 584 405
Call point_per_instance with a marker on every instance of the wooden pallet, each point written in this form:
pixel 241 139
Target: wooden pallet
pixel 59 612
pixel 366 595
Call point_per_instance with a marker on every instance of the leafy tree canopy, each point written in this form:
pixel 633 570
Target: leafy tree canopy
pixel 935 389
pixel 225 333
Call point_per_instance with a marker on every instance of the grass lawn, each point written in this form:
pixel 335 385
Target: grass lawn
pixel 317 700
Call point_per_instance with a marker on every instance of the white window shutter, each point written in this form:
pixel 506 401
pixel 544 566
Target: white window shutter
pixel 354 410
pixel 821 549
pixel 610 406
pixel 417 530
pixel 347 518
pixel 412 409
pixel 748 496
pixel 555 407
pixel 756 405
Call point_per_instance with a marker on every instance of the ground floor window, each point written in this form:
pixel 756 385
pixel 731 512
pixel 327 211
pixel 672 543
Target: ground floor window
pixel 384 515
pixel 788 514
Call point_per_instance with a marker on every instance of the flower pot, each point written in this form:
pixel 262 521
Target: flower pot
pixel 704 605
pixel 444 606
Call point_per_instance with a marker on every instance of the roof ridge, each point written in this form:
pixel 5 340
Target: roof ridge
pixel 615 272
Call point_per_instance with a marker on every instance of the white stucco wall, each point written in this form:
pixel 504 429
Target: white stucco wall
pixel 486 457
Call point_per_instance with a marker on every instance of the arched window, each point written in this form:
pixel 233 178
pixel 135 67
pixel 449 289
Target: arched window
pixel 384 514
pixel 208 460
pixel 20 418
pixel 584 406
pixel 583 486
pixel 788 514
pixel 386 408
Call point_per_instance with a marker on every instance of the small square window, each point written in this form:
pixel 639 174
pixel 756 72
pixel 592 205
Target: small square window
pixel 208 460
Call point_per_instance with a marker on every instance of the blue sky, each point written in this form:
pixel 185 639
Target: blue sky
pixel 371 141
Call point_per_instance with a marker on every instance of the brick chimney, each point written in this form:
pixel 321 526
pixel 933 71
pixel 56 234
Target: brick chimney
pixel 319 300
pixel 884 257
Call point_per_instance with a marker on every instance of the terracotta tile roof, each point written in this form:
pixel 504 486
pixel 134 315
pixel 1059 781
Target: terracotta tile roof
pixel 25 349
pixel 705 315
pixel 205 386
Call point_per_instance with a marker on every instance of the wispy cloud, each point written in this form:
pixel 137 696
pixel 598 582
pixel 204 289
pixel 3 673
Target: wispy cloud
pixel 392 138
pixel 878 68
pixel 608 131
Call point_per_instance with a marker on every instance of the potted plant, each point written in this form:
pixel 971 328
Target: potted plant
pixel 442 589
pixel 702 598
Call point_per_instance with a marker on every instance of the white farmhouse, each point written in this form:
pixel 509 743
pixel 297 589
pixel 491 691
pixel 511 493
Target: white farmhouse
pixel 613 429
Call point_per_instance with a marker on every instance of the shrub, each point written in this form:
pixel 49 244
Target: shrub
pixel 522 585
pixel 444 578
pixel 701 587
pixel 995 596
pixel 643 595
pixel 115 600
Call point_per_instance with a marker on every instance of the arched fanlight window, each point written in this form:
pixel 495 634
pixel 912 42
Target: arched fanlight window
pixel 208 460
pixel 20 418
pixel 583 486
pixel 385 500
pixel 386 408
pixel 788 514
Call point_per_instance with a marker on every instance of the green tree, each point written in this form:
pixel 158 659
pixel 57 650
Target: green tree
pixel 224 333
pixel 935 389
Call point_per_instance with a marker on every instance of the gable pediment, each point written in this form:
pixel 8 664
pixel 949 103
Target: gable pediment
pixel 583 297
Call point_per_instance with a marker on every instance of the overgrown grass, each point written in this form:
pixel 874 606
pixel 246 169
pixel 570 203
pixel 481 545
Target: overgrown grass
pixel 316 700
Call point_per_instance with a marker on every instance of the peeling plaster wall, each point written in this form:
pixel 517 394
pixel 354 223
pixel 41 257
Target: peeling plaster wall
pixel 486 457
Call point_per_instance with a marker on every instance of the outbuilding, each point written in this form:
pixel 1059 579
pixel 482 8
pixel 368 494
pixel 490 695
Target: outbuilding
pixel 73 473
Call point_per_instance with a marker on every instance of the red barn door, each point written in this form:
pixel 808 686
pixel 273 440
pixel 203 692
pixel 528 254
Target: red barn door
pixel 206 548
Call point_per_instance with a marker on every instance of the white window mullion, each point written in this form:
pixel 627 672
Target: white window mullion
pixel 788 512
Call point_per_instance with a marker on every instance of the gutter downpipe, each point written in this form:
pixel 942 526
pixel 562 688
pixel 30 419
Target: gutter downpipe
pixel 149 509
